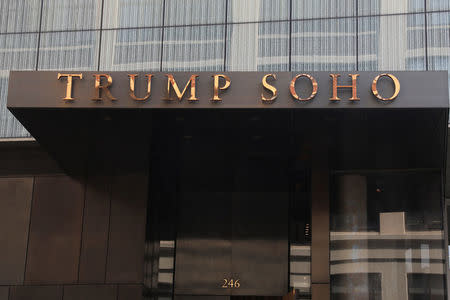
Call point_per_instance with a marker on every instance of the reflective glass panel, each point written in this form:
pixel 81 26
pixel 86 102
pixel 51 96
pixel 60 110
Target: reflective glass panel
pixel 438 41
pixel 307 9
pixel 71 14
pixel 19 15
pixel 391 43
pixel 323 45
pixel 426 286
pixel 131 49
pixel 184 12
pixel 199 48
pixel 257 10
pixel 132 13
pixel 391 225
pixel 386 218
pixel 376 7
pixel 433 5
pixel 258 46
pixel 76 50
pixel 17 52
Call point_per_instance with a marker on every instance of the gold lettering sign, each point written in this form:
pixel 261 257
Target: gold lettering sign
pixel 396 86
pixel 270 88
pixel 336 86
pixel 98 86
pixel 217 87
pixel 231 283
pixel 221 82
pixel 133 82
pixel 171 82
pixel 69 84
pixel 314 84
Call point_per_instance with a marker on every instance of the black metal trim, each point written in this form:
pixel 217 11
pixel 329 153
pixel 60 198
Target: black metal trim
pixel 226 36
pixel 162 36
pixel 39 36
pixel 100 37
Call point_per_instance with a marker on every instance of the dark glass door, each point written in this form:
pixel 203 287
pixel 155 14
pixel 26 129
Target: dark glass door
pixel 232 236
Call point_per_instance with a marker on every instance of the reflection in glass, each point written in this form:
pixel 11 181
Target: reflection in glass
pixel 161 219
pixel 76 50
pixel 433 5
pixel 131 49
pixel 159 269
pixel 257 10
pixel 19 15
pixel 438 41
pixel 300 227
pixel 425 286
pixel 376 7
pixel 386 228
pixel 391 43
pixel 17 52
pixel 198 48
pixel 320 45
pixel 356 286
pixel 71 14
pixel 132 13
pixel 308 9
pixel 185 12
pixel 258 47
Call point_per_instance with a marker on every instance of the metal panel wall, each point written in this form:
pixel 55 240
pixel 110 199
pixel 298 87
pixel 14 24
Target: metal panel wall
pixel 66 250
pixel 90 292
pixel 15 206
pixel 36 293
pixel 55 230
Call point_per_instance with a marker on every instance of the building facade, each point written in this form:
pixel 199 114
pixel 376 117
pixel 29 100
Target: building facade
pixel 123 228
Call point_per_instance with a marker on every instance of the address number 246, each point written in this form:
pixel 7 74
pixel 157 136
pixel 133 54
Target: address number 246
pixel 231 283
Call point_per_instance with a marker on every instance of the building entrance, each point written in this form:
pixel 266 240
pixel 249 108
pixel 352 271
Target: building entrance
pixel 234 183
pixel 260 188
pixel 283 205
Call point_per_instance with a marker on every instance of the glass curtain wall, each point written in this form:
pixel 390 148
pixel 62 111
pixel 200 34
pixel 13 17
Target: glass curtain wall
pixel 387 236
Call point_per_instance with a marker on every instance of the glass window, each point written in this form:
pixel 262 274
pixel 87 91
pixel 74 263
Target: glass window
pixel 391 43
pixel 19 15
pixel 356 286
pixel 197 48
pixel 426 286
pixel 308 9
pixel 76 50
pixel 438 41
pixel 448 223
pixel 132 13
pixel 257 10
pixel 433 5
pixel 258 47
pixel 386 213
pixel 363 198
pixel 323 45
pixel 300 232
pixel 162 218
pixel 383 7
pixel 184 12
pixel 71 14
pixel 389 223
pixel 17 52
pixel 131 49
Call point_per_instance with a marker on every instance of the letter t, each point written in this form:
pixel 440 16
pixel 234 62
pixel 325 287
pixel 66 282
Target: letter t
pixel 69 84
